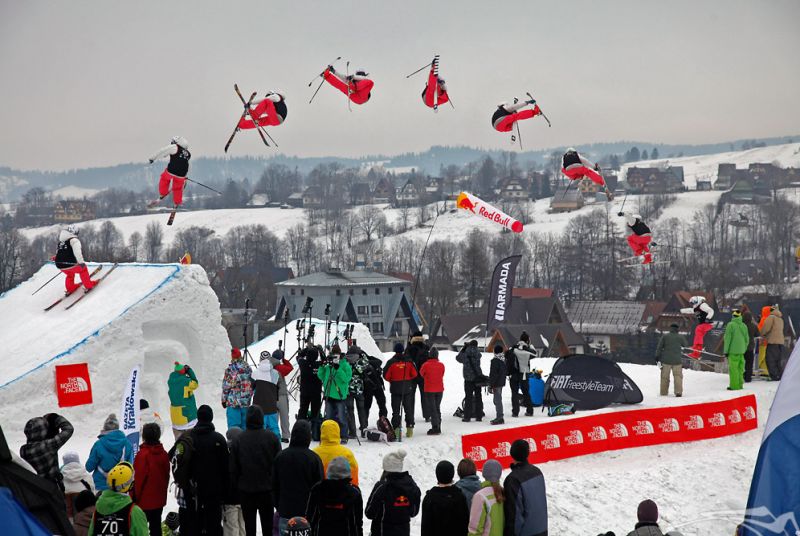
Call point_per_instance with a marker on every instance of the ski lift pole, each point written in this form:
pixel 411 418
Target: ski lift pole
pixel 620 213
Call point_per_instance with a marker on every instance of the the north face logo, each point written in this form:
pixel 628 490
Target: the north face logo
pixel 749 413
pixel 531 443
pixel 718 419
pixel 695 422
pixel 619 430
pixel 74 384
pixel 598 433
pixel 503 450
pixel 575 437
pixel 644 428
pixel 478 454
pixel 735 416
pixel 551 442
pixel 669 425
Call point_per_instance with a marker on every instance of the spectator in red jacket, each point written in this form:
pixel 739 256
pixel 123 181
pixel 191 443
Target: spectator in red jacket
pixel 432 371
pixel 151 467
pixel 400 372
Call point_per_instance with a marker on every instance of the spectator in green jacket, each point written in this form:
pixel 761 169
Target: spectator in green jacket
pixel 670 353
pixel 181 385
pixel 736 341
pixel 335 374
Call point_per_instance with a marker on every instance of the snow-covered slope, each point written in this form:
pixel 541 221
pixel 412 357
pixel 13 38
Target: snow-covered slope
pixel 148 314
pixel 705 167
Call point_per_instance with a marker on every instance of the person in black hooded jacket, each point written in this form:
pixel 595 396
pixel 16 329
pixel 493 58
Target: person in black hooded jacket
pixel 444 511
pixel 296 471
pixel 335 505
pixel 418 351
pixel 394 500
pixel 209 470
pixel 310 384
pixel 253 453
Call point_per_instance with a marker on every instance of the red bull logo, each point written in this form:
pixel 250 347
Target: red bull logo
pixel 464 202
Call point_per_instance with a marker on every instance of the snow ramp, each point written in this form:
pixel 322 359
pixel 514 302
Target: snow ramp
pixel 147 314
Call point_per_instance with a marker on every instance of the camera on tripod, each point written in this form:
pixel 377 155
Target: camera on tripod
pixel 307 306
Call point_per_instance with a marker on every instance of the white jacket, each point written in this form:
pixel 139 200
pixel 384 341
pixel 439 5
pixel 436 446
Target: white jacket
pixel 167 150
pixel 65 235
pixel 706 308
pixel 73 474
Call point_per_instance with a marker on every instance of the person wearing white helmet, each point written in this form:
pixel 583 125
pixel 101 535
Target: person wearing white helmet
pixel 435 92
pixel 357 86
pixel 269 112
pixel 640 238
pixel 576 167
pixel 69 259
pixel 703 313
pixel 507 114
pixel 177 169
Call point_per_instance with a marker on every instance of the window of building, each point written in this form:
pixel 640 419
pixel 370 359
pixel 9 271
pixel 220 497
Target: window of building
pixel 390 290
pixel 302 292
pixel 401 289
pixel 338 292
pixel 362 309
pixel 376 309
pixel 377 291
pixel 292 291
pixel 364 291
pixel 377 327
pixel 351 292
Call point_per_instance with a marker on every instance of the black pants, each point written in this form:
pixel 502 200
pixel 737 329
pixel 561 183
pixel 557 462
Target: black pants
pixel 257 502
pixel 154 521
pixel 518 382
pixel 773 358
pixel 207 519
pixel 419 382
pixel 748 365
pixel 435 407
pixel 473 405
pixel 355 405
pixel 310 401
pixel 380 398
pixel 406 399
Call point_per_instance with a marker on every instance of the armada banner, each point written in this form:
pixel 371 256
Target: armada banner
pixel 568 437
pixel 500 292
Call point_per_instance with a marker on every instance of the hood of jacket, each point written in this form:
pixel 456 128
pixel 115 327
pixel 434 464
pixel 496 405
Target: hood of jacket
pixel 777 313
pixel 301 435
pixel 75 472
pixel 111 501
pixel 471 483
pixel 112 442
pixel 330 434
pixel 36 429
pixel 265 372
pixel 737 320
pixel 255 418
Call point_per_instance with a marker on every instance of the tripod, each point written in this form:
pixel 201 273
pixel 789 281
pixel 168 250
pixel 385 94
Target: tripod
pixel 246 353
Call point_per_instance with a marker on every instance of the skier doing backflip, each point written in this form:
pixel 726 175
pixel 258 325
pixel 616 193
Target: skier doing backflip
pixel 269 112
pixel 703 313
pixel 506 114
pixel 435 92
pixel 640 238
pixel 576 167
pixel 357 87
pixel 177 168
pixel 69 259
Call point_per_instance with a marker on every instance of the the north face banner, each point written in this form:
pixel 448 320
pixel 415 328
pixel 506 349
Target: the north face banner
pixel 500 292
pixel 589 382
pixel 568 437
pixel 73 386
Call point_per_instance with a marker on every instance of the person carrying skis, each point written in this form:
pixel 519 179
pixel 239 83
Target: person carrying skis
pixel 576 167
pixel 177 168
pixel 69 259
pixel 640 238
pixel 269 112
pixel 703 313
pixel 435 92
pixel 736 340
pixel 357 86
pixel 507 114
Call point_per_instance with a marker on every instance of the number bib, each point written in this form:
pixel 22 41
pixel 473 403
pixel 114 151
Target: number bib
pixel 113 524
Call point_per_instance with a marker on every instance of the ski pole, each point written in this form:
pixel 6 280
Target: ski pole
pixel 519 135
pixel 203 185
pixel 48 281
pixel 331 63
pixel 317 91
pixel 347 72
pixel 418 70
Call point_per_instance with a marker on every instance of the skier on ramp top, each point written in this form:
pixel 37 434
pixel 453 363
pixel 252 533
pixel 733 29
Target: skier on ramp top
pixel 269 112
pixel 69 259
pixel 177 169
pixel 640 238
pixel 357 86
pixel 703 313
pixel 507 114
pixel 576 167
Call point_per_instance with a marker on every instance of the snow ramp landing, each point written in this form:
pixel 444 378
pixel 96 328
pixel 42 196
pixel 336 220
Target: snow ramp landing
pixel 147 314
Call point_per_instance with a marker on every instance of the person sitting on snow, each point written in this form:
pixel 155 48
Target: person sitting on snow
pixel 177 169
pixel 703 313
pixel 576 167
pixel 640 238
pixel 69 259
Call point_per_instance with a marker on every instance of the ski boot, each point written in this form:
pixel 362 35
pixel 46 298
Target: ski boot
pixel 409 432
pixel 498 420
pixel 696 349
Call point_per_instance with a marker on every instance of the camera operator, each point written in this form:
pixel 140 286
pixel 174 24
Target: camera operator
pixel 335 374
pixel 310 385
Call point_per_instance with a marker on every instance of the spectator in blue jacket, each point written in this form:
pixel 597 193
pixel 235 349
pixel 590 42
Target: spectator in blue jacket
pixel 111 448
pixel 526 497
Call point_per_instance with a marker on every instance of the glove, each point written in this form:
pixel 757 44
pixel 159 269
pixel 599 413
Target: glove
pixel 331 69
pixel 620 214
pixel 150 160
pixel 224 405
pixel 335 362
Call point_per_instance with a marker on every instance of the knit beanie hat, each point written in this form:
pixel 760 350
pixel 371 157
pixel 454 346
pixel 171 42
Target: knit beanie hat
pixel 71 457
pixel 205 413
pixel 172 521
pixel 393 462
pixel 398 347
pixel 492 470
pixel 236 353
pixel 445 472
pixel 178 367
pixel 143 404
pixel 265 355
pixel 84 500
pixel 498 348
pixel 433 353
pixel 298 526
pixel 339 469
pixel 520 449
pixel 647 511
pixel 111 424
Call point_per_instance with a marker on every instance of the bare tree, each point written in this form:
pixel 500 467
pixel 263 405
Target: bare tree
pixel 153 241
pixel 135 244
pixel 368 220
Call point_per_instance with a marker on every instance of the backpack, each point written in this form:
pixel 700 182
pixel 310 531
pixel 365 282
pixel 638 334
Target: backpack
pixel 386 427
pixel 373 434
pixel 180 461
pixel 561 409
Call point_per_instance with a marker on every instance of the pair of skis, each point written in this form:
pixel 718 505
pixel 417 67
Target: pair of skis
pixel 261 131
pixel 518 137
pixel 97 282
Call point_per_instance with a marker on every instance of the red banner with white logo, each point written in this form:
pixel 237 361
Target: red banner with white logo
pixel 73 385
pixel 577 436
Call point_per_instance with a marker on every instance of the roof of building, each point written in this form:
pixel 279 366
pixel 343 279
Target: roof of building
pixel 606 317
pixel 337 278
pixel 533 292
pixel 456 326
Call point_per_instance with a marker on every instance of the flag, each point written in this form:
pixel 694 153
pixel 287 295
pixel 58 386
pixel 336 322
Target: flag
pixel 774 501
pixel 500 291
pixel 130 422
pixel 73 385
pixel 481 208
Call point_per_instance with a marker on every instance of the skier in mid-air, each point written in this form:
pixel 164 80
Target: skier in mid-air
pixel 576 167
pixel 177 169
pixel 435 92
pixel 69 259
pixel 356 86
pixel 507 114
pixel 269 112
pixel 703 313
pixel 640 238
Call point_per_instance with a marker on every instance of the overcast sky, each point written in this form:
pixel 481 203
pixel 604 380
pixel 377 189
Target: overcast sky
pixel 87 83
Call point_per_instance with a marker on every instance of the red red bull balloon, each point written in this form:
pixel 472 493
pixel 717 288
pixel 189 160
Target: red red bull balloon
pixel 481 208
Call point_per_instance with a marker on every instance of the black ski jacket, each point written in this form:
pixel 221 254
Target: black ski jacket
pixel 444 512
pixel 335 509
pixel 209 463
pixel 296 471
pixel 394 500
pixel 254 453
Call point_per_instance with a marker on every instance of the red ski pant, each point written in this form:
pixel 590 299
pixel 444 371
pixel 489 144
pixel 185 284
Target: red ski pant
pixel 506 123
pixel 264 114
pixel 433 94
pixel 178 184
pixel 359 89
pixel 640 245
pixel 80 270
pixel 579 172
pixel 700 334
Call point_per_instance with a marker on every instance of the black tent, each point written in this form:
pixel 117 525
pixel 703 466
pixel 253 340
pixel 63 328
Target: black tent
pixel 41 497
pixel 589 382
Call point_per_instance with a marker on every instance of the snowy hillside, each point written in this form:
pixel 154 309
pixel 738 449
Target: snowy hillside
pixel 147 314
pixel 705 167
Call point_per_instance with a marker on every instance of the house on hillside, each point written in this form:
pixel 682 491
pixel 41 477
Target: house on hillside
pixel 746 191
pixel 384 191
pixel 605 324
pixel 590 189
pixel 74 210
pixel 653 180
pixel 409 194
pixel 531 292
pixel 566 200
pixel 313 197
pixel 515 189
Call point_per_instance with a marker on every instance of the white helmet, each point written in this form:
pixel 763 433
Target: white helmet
pixel 180 141
pixel 502 104
pixel 637 216
pixel 571 150
pixel 361 72
pixel 696 300
pixel 71 229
